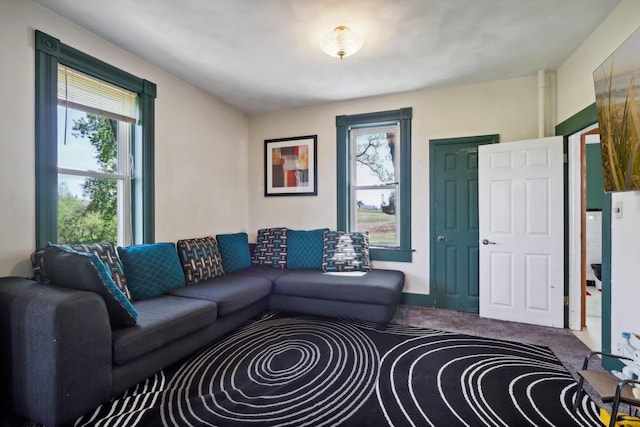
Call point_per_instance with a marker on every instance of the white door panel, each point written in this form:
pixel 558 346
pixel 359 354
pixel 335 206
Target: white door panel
pixel 521 217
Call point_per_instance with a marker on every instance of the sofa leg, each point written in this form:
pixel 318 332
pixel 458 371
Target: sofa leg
pixel 381 326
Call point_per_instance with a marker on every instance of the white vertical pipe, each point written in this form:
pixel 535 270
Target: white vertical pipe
pixel 541 103
pixel 553 101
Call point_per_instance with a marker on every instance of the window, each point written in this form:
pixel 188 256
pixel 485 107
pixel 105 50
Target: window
pixel 95 125
pixel 374 180
pixel 94 129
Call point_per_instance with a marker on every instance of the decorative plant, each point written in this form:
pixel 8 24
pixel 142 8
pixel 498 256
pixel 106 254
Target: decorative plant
pixel 619 121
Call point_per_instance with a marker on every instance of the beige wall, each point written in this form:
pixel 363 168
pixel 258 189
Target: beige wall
pixel 575 75
pixel 575 92
pixel 508 108
pixel 201 143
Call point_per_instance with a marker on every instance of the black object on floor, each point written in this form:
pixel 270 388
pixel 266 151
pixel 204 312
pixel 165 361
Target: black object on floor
pixel 597 270
pixel 296 370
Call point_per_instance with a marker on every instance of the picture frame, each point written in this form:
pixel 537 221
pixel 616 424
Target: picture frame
pixel 290 166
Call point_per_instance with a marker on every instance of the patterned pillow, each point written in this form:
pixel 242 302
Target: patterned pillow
pixel 200 259
pixel 305 248
pixel 151 269
pixel 234 250
pixel 345 251
pixel 107 253
pixel 271 248
pixel 86 272
pixel 37 263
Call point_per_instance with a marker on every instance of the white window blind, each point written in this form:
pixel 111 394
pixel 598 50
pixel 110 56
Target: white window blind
pixel 85 93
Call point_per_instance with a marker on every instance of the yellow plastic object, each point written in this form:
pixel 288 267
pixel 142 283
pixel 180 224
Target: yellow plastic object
pixel 623 420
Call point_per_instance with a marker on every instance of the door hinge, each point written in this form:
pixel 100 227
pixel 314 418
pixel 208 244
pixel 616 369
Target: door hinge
pixel 566 300
pixel 565 158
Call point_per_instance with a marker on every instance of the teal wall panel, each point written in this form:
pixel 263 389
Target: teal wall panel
pixel 595 182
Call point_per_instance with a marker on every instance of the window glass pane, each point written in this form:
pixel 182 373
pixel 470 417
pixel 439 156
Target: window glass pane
pixel 87 209
pixel 87 141
pixel 374 157
pixel 376 212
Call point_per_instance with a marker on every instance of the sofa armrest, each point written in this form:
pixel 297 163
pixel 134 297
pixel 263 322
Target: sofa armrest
pixel 55 354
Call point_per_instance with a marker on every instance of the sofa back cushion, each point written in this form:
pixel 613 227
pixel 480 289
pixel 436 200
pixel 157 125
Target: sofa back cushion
pixel 200 258
pixel 345 252
pixel 271 248
pixel 234 250
pixel 109 256
pixel 151 269
pixel 305 248
pixel 86 272
pixel 107 253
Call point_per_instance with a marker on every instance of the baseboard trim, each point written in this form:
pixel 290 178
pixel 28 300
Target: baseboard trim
pixel 419 300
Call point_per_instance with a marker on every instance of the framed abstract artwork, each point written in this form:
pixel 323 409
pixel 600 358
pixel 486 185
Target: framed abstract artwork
pixel 290 166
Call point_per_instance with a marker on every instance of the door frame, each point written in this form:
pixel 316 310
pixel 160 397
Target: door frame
pixel 574 124
pixel 577 227
pixel 433 143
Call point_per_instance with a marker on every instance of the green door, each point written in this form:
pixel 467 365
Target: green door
pixel 454 222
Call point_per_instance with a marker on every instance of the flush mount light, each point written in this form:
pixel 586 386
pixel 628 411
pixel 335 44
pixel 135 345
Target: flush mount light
pixel 341 42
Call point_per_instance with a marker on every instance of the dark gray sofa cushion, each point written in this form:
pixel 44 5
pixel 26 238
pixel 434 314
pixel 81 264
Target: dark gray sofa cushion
pixel 379 313
pixel 229 292
pixel 374 287
pixel 125 376
pixel 161 320
pixel 269 273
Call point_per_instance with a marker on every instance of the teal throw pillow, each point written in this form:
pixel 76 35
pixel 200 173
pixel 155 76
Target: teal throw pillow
pixel 151 269
pixel 234 249
pixel 305 248
pixel 86 272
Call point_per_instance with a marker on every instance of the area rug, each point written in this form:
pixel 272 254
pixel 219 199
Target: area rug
pixel 286 370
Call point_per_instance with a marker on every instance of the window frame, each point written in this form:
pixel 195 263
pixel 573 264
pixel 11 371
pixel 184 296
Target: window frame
pixel 49 53
pixel 402 116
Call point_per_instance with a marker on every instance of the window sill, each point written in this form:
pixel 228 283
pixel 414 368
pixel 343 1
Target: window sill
pixel 394 255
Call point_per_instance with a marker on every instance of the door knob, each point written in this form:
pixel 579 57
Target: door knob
pixel 442 239
pixel 487 242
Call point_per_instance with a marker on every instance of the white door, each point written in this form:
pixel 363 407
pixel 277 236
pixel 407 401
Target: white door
pixel 521 218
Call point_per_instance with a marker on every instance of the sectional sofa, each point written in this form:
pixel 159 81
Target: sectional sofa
pixel 73 343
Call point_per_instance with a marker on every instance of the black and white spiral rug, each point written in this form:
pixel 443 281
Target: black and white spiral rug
pixel 285 370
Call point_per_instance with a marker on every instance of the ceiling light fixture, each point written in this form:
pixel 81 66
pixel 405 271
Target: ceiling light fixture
pixel 341 42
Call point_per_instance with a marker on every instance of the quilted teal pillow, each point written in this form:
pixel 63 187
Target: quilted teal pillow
pixel 234 249
pixel 305 248
pixel 151 269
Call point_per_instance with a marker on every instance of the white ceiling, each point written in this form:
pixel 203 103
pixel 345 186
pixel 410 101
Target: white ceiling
pixel 263 55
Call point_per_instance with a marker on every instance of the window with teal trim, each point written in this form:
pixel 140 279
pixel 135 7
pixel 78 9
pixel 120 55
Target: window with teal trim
pixel 374 180
pixel 94 149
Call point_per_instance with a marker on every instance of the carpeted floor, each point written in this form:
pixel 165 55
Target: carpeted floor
pixel 569 349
